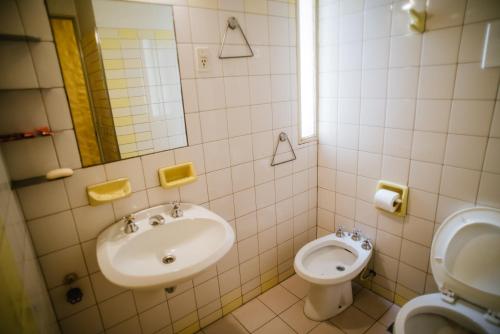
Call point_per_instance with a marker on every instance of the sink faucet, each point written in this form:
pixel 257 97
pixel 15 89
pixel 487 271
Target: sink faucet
pixel 176 210
pixel 130 226
pixel 340 232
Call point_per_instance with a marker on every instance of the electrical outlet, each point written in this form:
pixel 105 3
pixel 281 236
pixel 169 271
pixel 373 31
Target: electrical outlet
pixel 202 60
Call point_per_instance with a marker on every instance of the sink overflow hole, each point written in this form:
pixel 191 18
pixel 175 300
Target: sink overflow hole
pixel 168 259
pixel 340 268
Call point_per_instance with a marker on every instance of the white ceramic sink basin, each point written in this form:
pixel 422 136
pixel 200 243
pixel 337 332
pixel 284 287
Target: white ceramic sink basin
pixel 165 254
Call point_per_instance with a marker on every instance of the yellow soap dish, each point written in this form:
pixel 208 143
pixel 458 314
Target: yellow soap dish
pixel 108 191
pixel 178 175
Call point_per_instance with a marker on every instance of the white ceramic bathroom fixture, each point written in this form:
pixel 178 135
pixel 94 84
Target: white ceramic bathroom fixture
pixel 329 264
pixel 465 261
pixel 156 250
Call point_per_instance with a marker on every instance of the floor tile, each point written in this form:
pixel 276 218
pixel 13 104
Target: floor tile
pixel 377 328
pixel 296 318
pixel 326 328
pixel 275 326
pixel 390 316
pixel 278 299
pixel 371 303
pixel 296 285
pixel 253 315
pixel 228 324
pixel 352 321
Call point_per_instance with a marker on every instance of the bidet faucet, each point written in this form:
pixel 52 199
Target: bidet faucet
pixel 356 235
pixel 176 210
pixel 340 232
pixel 130 226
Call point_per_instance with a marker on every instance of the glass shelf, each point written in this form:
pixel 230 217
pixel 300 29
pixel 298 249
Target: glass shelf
pixel 26 38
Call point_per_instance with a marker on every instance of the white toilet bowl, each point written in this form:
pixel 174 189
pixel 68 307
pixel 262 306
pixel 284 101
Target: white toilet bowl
pixel 465 261
pixel 329 264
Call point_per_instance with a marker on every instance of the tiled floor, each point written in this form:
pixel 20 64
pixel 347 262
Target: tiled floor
pixel 280 310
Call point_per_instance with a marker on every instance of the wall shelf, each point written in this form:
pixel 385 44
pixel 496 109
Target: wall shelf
pixel 19 38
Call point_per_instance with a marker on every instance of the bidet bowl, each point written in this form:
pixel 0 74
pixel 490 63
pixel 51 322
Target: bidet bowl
pixel 331 260
pixel 161 255
pixel 329 264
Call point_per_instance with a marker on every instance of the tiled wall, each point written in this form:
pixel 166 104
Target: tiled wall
pixel 411 108
pixel 30 304
pixel 234 114
pixel 32 67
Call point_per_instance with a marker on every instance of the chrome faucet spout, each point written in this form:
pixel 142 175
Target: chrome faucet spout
pixel 176 210
pixel 130 226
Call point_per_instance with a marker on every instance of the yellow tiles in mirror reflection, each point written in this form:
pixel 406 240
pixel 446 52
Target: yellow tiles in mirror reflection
pixel 110 38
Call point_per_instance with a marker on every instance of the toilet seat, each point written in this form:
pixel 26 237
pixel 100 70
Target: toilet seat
pixel 465 262
pixel 431 314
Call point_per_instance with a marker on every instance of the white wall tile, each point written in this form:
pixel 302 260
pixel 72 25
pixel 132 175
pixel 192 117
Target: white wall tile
pixel 480 10
pixel 53 232
pixel 432 115
pixel 446 13
pixel 472 82
pixel 460 183
pixel 465 151
pixel 46 64
pixel 441 46
pixel 216 155
pixel 43 199
pixel 213 125
pixel 471 117
pixel 436 82
pixel 405 50
pixel 471 44
pixel 219 183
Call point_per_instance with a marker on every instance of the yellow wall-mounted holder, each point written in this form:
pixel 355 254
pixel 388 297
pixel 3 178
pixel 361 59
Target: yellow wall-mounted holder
pixel 403 193
pixel 105 192
pixel 178 175
pixel 417 20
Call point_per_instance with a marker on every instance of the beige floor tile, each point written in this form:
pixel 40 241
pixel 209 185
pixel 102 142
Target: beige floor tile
pixel 377 328
pixel 296 318
pixel 253 315
pixel 228 324
pixel 326 328
pixel 352 321
pixel 389 316
pixel 371 303
pixel 275 326
pixel 278 299
pixel 297 286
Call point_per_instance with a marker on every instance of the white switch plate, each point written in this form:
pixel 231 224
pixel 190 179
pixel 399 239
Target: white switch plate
pixel 491 48
pixel 202 60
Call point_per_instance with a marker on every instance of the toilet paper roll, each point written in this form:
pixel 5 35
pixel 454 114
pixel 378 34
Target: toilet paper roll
pixel 387 200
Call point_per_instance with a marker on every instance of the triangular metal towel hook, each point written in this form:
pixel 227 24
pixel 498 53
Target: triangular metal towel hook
pixel 232 23
pixel 281 138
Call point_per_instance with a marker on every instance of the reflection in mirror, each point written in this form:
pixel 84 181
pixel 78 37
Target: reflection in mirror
pixel 121 73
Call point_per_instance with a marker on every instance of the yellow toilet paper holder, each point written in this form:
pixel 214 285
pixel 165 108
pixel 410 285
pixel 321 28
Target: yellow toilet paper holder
pixel 403 193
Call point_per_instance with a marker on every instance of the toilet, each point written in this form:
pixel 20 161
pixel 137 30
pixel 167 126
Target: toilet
pixel 329 264
pixel 465 261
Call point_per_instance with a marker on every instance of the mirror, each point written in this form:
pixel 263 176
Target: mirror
pixel 121 73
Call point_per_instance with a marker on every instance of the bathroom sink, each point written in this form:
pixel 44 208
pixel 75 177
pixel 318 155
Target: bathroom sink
pixel 163 250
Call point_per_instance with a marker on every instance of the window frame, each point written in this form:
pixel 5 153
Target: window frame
pixel 314 136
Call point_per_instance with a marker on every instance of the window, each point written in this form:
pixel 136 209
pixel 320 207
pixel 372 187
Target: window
pixel 306 55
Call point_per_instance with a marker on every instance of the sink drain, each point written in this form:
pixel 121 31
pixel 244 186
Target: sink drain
pixel 340 268
pixel 168 259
